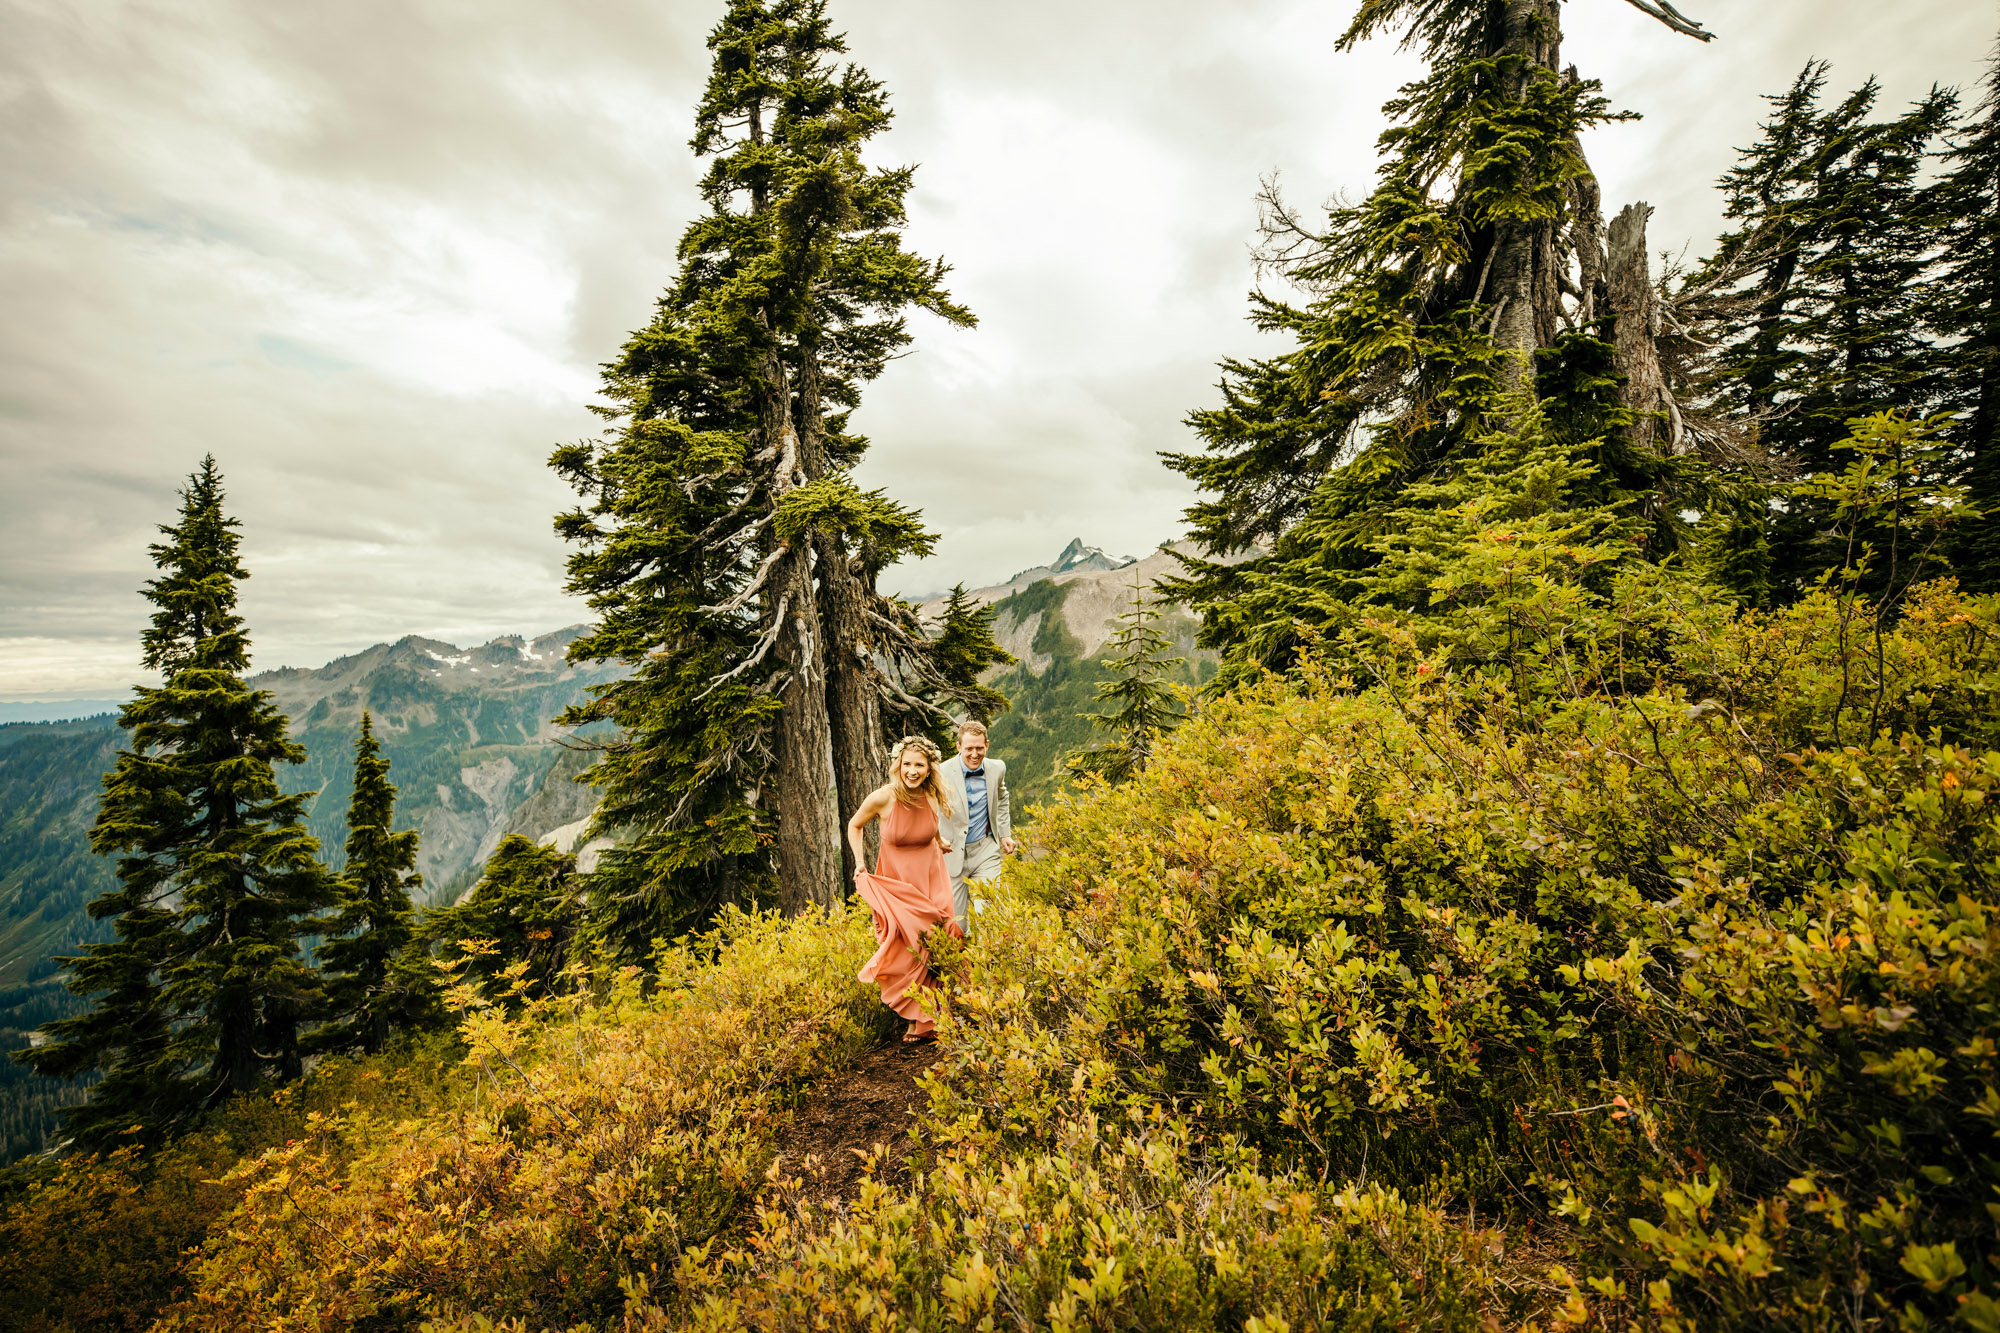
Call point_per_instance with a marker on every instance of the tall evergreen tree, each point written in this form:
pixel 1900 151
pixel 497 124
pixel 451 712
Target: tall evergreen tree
pixel 962 647
pixel 1966 315
pixel 128 1036
pixel 203 988
pixel 1428 306
pixel 1143 703
pixel 374 984
pixel 1835 237
pixel 728 554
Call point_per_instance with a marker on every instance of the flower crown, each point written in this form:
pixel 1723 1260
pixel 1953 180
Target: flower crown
pixel 924 743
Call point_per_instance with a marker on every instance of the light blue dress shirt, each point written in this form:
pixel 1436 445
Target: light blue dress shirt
pixel 975 804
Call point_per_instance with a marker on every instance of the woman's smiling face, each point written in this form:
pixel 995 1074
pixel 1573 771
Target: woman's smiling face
pixel 915 766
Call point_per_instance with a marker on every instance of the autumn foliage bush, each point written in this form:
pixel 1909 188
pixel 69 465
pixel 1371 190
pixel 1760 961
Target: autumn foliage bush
pixel 602 1135
pixel 1663 976
pixel 1604 956
pixel 95 1243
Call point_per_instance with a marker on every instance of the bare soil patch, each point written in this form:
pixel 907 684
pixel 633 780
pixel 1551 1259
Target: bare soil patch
pixel 868 1108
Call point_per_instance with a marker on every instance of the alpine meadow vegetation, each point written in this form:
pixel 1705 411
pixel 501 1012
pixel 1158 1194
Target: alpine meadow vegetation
pixel 1595 990
pixel 1575 905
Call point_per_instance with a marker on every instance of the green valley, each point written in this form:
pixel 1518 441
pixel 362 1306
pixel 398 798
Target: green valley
pixel 472 749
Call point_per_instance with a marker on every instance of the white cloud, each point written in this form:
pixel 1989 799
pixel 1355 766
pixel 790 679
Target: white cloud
pixel 39 667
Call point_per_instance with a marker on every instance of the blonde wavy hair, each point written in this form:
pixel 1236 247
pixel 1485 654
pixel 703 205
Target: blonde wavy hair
pixel 933 785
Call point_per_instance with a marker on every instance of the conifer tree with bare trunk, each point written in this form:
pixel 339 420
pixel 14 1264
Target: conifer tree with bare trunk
pixel 1472 282
pixel 724 544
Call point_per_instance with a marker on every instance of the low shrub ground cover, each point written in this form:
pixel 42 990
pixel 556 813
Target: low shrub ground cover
pixel 93 1242
pixel 599 1138
pixel 1646 980
pixel 1430 1003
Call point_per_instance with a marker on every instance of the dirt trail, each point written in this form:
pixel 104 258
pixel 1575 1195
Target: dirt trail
pixel 873 1104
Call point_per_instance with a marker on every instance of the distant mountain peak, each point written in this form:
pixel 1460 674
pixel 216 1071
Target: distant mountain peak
pixel 1078 556
pixel 1075 558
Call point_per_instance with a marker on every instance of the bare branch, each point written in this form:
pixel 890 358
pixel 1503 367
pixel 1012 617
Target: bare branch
pixel 742 535
pixel 1284 240
pixel 1673 18
pixel 888 688
pixel 752 588
pixel 763 648
pixel 708 533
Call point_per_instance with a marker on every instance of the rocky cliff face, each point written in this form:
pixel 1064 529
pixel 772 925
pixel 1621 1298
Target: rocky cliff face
pixel 468 731
pixel 1096 591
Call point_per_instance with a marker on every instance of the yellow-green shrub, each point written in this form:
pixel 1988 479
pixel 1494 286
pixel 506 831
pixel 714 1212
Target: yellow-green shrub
pixel 1827 987
pixel 101 1243
pixel 1665 962
pixel 1661 995
pixel 600 1140
pixel 1119 1226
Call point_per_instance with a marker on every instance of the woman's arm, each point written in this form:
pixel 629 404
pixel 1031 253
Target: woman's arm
pixel 944 843
pixel 871 810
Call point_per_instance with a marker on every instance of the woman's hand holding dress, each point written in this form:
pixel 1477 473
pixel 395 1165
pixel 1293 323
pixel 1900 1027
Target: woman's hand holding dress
pixel 909 894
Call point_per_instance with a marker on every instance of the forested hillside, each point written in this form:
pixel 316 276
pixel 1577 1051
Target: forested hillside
pixel 468 732
pixel 1542 872
pixel 1056 627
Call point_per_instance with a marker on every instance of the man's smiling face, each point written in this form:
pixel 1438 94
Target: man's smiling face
pixel 972 749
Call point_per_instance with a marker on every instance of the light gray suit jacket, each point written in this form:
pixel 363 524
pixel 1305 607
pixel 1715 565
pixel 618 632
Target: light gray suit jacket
pixel 999 818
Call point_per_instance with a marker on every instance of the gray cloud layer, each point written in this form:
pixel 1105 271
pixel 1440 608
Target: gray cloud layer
pixel 370 254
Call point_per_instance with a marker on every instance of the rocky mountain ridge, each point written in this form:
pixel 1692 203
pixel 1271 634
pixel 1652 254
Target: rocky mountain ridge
pixel 468 733
pixel 1056 621
pixel 1096 591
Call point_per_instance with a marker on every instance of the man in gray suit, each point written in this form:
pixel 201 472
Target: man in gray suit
pixel 980 827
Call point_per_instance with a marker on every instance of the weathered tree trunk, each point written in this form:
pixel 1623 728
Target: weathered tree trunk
pixel 1524 280
pixel 235 1068
pixel 1586 233
pixel 1513 296
pixel 853 706
pixel 1635 351
pixel 809 822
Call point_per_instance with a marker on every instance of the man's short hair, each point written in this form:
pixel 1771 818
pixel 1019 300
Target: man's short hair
pixel 971 727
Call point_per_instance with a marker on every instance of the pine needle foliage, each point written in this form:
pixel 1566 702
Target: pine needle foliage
pixel 202 992
pixel 1421 318
pixel 962 649
pixel 1142 703
pixel 519 921
pixel 375 985
pixel 1836 240
pixel 730 559
pixel 1502 570
pixel 1965 311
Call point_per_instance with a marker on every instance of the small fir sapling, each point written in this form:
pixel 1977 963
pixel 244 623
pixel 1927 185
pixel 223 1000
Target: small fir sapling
pixel 376 984
pixel 1143 703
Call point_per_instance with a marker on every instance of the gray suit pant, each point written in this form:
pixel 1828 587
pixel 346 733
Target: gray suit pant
pixel 982 862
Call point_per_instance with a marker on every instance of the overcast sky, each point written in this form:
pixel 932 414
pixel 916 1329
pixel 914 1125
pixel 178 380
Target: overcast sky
pixel 371 253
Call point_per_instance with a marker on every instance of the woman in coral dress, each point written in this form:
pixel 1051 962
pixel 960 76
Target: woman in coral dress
pixel 910 891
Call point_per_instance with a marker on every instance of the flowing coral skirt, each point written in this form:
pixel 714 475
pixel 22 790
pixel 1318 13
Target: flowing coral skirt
pixel 909 893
